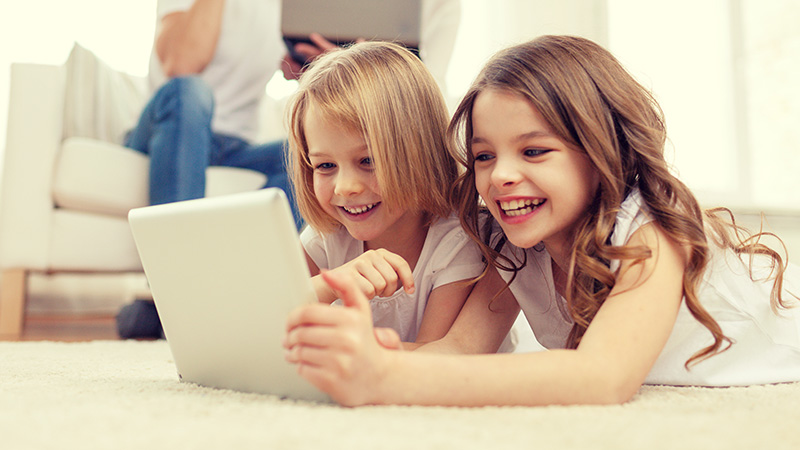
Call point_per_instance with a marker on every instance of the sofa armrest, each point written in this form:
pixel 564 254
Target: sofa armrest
pixel 33 140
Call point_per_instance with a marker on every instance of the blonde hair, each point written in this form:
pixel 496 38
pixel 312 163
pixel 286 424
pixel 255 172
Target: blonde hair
pixel 385 93
pixel 592 103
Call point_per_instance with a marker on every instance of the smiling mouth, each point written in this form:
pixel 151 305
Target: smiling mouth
pixel 516 208
pixel 356 210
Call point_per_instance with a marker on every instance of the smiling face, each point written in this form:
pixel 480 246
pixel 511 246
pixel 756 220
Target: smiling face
pixel 345 182
pixel 534 184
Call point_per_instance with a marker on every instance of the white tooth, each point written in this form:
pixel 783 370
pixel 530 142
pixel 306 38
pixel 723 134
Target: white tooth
pixel 359 209
pixel 520 204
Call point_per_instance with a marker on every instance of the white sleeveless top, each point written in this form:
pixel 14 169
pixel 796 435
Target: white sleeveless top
pixel 766 346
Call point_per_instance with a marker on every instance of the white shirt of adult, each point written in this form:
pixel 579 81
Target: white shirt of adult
pixel 249 51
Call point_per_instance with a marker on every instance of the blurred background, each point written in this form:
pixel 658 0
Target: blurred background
pixel 724 71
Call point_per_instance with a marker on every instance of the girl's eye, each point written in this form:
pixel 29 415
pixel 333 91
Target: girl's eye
pixel 324 166
pixel 366 162
pixel 531 152
pixel 483 157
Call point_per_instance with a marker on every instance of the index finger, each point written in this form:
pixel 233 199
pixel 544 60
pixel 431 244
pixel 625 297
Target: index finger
pixel 312 314
pixel 403 270
pixel 347 290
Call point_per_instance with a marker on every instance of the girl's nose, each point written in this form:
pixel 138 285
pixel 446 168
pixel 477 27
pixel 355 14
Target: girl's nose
pixel 505 173
pixel 347 184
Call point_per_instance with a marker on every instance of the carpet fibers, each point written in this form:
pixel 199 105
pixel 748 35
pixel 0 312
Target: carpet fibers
pixel 125 395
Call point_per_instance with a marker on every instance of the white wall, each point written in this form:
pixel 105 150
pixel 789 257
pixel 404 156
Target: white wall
pixel 771 72
pixel 488 26
pixel 43 31
pixel 725 74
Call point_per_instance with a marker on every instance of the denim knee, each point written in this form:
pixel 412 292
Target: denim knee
pixel 187 95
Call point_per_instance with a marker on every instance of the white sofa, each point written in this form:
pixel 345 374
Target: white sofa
pixel 66 185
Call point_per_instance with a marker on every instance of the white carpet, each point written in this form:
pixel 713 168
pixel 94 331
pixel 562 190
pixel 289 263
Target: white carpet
pixel 125 395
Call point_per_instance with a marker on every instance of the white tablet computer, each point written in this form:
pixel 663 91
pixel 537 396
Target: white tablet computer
pixel 344 21
pixel 225 272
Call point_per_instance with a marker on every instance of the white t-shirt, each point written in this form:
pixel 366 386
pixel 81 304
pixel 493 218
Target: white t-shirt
pixel 248 54
pixel 447 256
pixel 250 50
pixel 767 346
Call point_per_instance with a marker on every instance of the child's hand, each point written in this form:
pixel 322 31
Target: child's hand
pixel 378 273
pixel 388 338
pixel 335 349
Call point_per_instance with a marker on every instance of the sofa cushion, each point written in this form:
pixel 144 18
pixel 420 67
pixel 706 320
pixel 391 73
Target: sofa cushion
pixel 100 177
pixel 99 101
pixel 91 242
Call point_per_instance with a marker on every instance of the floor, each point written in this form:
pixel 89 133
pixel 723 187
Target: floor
pixel 69 328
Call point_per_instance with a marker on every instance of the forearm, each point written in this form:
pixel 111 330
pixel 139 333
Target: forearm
pixel 546 378
pixel 445 345
pixel 324 293
pixel 483 321
pixel 442 346
pixel 188 40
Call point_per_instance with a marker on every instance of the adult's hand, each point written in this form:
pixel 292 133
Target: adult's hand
pixel 319 45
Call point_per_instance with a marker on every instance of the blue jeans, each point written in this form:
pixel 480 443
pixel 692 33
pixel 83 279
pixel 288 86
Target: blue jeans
pixel 175 131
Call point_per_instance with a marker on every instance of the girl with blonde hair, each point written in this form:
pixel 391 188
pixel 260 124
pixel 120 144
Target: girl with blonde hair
pixel 617 269
pixel 371 166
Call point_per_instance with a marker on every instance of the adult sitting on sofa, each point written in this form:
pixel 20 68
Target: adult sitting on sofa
pixel 209 67
pixel 68 184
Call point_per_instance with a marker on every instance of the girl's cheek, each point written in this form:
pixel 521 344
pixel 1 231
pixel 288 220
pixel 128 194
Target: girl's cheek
pixel 481 183
pixel 318 189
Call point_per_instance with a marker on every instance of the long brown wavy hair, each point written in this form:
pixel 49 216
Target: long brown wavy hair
pixel 592 103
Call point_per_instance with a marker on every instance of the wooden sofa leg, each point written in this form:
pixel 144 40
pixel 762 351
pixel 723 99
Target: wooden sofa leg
pixel 13 289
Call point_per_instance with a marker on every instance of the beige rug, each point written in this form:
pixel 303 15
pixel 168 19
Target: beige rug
pixel 125 395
